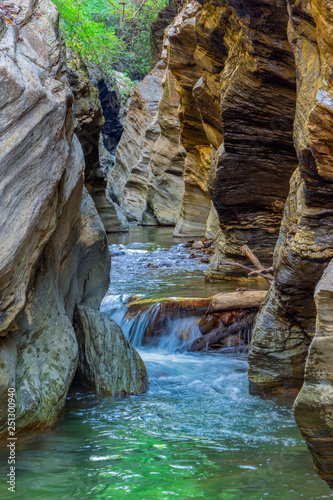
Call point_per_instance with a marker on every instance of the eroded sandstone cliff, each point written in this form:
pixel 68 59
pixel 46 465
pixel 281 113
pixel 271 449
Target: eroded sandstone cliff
pixel 289 319
pixel 88 125
pixel 147 178
pixel 54 253
pixel 236 79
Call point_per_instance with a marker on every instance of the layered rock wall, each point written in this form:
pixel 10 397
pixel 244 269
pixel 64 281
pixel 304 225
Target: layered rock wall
pixel 245 96
pixel 88 125
pixel 286 324
pixel 147 178
pixel 233 69
pixel 180 45
pixel 54 253
pixel 298 309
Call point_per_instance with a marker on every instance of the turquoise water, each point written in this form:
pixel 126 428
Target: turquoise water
pixel 196 434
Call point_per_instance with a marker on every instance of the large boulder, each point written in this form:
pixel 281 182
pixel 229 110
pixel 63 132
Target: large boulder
pixel 107 362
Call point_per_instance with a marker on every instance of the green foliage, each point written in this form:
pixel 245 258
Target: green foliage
pixel 111 33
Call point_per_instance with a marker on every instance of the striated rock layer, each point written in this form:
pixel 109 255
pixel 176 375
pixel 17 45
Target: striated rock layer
pixel 180 45
pixel 89 123
pixel 147 178
pixel 236 78
pixel 53 248
pixel 288 322
pixel 233 69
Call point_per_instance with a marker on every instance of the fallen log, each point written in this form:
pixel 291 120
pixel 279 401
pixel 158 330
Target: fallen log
pixel 219 335
pixel 247 299
pixel 260 271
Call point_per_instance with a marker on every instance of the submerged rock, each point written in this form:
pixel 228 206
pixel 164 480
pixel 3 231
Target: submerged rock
pixel 107 362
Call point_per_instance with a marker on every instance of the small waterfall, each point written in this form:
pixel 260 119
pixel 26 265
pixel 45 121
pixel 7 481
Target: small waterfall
pixel 170 330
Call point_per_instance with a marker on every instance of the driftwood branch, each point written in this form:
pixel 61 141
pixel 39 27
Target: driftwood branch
pixel 217 336
pixel 260 271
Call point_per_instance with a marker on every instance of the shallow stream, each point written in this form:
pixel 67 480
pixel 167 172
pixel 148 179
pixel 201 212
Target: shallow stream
pixel 196 434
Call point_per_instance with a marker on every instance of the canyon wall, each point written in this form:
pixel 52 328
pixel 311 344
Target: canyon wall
pixel 286 324
pixel 236 78
pixel 147 178
pixel 54 253
pixel 234 73
pixel 88 126
pixel 298 309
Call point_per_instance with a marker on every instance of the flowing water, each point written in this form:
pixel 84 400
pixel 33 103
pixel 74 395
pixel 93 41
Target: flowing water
pixel 196 433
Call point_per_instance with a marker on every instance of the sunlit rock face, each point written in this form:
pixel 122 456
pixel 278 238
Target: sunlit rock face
pixel 54 253
pixel 147 178
pixel 166 165
pixel 128 180
pixel 180 45
pixel 286 324
pixel 236 78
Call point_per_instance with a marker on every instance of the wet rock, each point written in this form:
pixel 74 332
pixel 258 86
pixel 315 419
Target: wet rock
pixel 152 266
pixel 117 253
pixel 197 245
pixel 313 406
pixel 107 362
pixel 208 323
pixel 286 325
pixel 185 336
pixel 53 245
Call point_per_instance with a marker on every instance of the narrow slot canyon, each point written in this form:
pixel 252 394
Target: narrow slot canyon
pixel 166 276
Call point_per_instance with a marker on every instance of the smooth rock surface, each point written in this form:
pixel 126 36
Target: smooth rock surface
pixel 128 179
pixel 107 362
pixel 53 247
